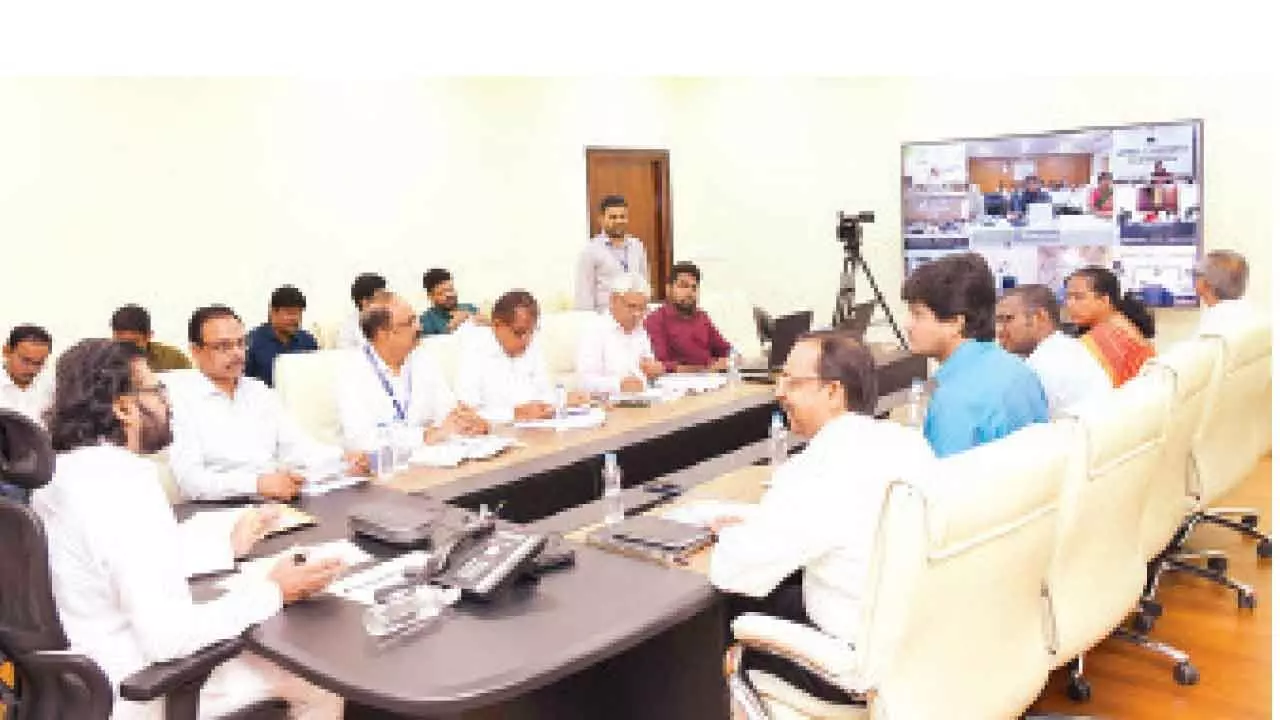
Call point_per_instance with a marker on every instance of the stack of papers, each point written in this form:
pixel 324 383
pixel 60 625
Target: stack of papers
pixel 703 512
pixel 686 384
pixel 456 449
pixel 257 570
pixel 575 419
pixel 360 587
pixel 317 485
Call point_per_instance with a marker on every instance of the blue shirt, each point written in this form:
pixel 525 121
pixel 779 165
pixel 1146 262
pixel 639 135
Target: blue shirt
pixel 263 346
pixel 983 393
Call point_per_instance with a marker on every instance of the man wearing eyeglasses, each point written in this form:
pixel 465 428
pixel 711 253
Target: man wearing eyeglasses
pixel 803 552
pixel 232 437
pixel 391 380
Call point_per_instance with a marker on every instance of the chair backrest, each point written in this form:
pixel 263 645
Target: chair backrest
pixel 1192 367
pixel 1237 427
pixel 306 382
pixel 558 335
pixel 1098 570
pixel 735 317
pixel 444 349
pixel 957 624
pixel 28 616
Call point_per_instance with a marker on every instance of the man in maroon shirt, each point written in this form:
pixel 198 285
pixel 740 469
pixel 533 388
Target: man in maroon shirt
pixel 683 337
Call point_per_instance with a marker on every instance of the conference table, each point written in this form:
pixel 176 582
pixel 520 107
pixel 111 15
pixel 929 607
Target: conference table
pixel 611 636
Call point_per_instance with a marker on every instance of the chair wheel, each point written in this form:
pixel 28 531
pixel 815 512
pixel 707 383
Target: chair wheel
pixel 1249 521
pixel 1246 600
pixel 1142 623
pixel 1217 564
pixel 1264 548
pixel 1078 689
pixel 1184 673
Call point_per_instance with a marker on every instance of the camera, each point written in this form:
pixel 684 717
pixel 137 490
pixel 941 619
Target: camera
pixel 849 227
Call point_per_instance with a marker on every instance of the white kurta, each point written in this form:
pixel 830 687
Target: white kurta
pixel 607 354
pixel 364 403
pixel 494 383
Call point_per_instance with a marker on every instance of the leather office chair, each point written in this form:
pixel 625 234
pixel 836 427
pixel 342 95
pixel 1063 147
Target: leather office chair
pixel 1099 569
pixel 955 599
pixel 1237 430
pixel 52 682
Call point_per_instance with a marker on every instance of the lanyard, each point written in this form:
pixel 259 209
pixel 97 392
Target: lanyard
pixel 402 413
pixel 623 258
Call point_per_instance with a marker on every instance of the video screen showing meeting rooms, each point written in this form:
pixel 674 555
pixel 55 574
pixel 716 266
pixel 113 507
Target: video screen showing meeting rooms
pixel 1038 207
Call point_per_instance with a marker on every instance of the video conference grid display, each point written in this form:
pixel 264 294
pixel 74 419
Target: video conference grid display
pixel 1039 207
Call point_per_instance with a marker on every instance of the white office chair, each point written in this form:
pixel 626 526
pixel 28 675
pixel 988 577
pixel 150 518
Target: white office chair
pixel 445 349
pixel 1099 568
pixel 1237 429
pixel 305 382
pixel 955 596
pixel 558 335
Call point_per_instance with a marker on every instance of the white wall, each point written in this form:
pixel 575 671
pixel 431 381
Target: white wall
pixel 176 192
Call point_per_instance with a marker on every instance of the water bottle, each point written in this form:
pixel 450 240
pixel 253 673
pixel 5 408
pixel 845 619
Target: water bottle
pixel 384 453
pixel 613 510
pixel 915 402
pixel 777 441
pixel 732 364
pixel 561 400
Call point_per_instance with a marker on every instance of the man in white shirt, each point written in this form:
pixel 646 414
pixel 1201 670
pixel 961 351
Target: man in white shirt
pixel 23 387
pixel 120 561
pixel 614 352
pixel 368 288
pixel 232 437
pixel 611 253
pixel 1221 278
pixel 820 513
pixel 1027 326
pixel 392 381
pixel 502 372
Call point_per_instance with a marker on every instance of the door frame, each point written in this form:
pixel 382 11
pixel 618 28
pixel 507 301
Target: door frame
pixel 663 158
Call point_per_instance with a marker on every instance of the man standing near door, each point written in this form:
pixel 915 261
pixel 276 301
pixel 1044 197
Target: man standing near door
pixel 607 255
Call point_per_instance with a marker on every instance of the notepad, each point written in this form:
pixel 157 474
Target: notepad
pixel 593 417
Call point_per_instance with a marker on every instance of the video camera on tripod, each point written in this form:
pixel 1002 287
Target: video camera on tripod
pixel 849 232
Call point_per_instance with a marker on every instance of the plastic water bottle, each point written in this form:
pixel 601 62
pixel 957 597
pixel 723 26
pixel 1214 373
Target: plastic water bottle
pixel 777 441
pixel 735 376
pixel 915 402
pixel 561 400
pixel 384 453
pixel 613 510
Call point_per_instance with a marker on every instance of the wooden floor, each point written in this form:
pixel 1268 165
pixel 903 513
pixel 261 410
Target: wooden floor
pixel 1230 647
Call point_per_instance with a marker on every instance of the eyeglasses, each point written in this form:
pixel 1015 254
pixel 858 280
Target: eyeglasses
pixel 785 380
pixel 225 346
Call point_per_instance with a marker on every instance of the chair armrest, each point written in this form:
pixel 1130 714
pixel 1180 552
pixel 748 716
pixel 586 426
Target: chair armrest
pixel 165 678
pixel 50 668
pixel 831 659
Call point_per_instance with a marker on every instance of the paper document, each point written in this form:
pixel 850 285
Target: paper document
pixel 360 587
pixel 573 420
pixel 687 383
pixel 458 448
pixel 259 568
pixel 702 512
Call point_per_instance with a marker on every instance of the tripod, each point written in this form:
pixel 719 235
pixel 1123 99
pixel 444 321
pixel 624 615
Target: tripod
pixel 853 260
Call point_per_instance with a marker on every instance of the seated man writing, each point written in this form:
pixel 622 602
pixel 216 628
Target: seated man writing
pixel 502 372
pixel 392 381
pixel 614 354
pixel 805 548
pixel 119 560
pixel 231 435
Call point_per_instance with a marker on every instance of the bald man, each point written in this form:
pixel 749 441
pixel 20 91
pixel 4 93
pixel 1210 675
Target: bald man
pixel 390 380
pixel 1221 278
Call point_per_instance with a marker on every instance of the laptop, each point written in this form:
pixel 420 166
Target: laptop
pixel 786 331
pixel 858 320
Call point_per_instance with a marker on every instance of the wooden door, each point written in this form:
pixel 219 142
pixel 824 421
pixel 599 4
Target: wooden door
pixel 643 177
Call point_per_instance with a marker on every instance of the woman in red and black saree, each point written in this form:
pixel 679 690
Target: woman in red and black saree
pixel 1118 329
